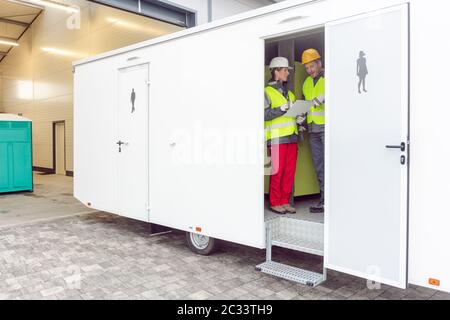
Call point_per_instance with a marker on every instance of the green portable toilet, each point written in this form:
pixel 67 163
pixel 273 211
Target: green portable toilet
pixel 16 172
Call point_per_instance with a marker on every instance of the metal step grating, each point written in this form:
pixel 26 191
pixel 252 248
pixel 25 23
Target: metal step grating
pixel 299 245
pixel 299 235
pixel 298 275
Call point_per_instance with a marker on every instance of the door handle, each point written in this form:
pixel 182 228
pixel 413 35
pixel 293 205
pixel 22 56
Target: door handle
pixel 120 144
pixel 402 147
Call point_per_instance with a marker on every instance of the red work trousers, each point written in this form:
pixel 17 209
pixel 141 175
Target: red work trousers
pixel 284 163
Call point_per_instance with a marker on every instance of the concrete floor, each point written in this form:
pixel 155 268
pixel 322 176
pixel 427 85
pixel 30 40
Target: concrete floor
pixel 52 198
pixel 50 248
pixel 302 205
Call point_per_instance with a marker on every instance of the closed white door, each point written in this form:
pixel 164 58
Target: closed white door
pixel 132 142
pixel 60 149
pixel 367 60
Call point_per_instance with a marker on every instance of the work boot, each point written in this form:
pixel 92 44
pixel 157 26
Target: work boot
pixel 318 208
pixel 278 209
pixel 289 208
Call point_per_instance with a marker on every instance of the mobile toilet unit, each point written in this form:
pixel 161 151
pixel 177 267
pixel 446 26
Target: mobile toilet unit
pixel 170 131
pixel 16 165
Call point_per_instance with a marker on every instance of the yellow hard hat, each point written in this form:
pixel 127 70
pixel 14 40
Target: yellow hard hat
pixel 310 55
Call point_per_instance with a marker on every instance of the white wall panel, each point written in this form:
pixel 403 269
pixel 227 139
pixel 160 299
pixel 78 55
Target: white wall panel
pixel 430 152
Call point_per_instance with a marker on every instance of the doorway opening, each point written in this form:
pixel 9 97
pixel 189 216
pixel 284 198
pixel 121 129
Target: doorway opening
pixel 306 191
pixel 59 147
pixel 302 230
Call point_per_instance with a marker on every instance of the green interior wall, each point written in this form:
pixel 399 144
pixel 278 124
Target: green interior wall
pixel 305 178
pixel 16 173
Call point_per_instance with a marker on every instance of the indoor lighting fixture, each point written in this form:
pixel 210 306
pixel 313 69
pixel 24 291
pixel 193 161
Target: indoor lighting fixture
pixel 132 26
pixel 62 52
pixel 48 3
pixel 9 42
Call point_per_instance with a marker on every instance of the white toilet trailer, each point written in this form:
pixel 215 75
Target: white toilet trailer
pixel 170 131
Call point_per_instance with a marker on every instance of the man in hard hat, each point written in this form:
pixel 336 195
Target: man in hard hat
pixel 281 136
pixel 314 90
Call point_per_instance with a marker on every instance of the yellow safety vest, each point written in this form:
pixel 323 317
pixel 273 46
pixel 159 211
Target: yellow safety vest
pixel 311 91
pixel 282 126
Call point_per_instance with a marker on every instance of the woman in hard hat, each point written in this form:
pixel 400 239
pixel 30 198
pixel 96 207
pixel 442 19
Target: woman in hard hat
pixel 314 90
pixel 281 136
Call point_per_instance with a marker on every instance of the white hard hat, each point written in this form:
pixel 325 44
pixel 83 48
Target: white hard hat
pixel 279 62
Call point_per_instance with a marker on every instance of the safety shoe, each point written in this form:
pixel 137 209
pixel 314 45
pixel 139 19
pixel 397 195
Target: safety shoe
pixel 278 209
pixel 289 209
pixel 318 208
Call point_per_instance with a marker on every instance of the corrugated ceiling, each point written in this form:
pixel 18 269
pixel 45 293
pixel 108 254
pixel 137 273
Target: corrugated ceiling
pixel 15 19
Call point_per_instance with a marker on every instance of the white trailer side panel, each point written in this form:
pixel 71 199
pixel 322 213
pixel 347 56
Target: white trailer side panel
pixel 430 151
pixel 94 136
pixel 206 135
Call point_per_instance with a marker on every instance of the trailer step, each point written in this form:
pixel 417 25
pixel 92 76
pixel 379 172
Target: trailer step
pixel 299 245
pixel 298 235
pixel 298 275
pixel 294 234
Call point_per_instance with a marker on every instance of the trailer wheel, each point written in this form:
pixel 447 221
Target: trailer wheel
pixel 200 244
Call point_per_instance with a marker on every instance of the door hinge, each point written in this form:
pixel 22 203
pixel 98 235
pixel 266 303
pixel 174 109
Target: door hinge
pixel 147 206
pixel 147 82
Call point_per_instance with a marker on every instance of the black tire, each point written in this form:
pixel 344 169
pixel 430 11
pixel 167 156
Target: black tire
pixel 199 244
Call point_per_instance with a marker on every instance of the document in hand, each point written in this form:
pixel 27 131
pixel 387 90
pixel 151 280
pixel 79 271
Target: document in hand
pixel 298 107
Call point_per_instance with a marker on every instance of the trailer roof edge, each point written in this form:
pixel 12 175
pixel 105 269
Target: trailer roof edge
pixel 208 26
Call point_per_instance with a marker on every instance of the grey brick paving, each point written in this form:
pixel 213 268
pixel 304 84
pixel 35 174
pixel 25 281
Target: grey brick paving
pixel 103 256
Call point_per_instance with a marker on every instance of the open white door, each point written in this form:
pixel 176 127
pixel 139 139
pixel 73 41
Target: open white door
pixel 366 169
pixel 132 142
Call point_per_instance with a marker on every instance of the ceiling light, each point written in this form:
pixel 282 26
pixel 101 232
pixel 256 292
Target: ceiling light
pixel 22 2
pixel 9 42
pixel 133 26
pixel 62 52
pixel 48 3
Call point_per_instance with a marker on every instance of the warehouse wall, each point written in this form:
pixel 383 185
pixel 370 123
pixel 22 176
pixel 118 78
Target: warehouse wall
pixel 226 8
pixel 201 6
pixel 221 8
pixel 1 95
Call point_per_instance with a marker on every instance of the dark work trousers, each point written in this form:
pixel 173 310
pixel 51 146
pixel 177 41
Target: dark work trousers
pixel 317 143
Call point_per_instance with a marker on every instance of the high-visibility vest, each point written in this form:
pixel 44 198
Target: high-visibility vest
pixel 282 126
pixel 311 91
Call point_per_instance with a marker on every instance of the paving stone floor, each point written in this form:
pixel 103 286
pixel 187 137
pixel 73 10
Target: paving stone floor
pixel 103 256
